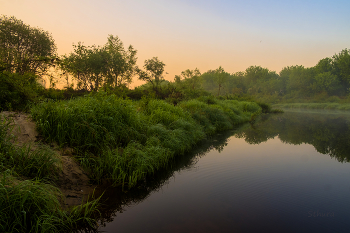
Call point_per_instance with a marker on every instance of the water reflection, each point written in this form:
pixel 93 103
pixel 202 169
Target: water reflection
pixel 328 133
pixel 115 200
pixel 242 185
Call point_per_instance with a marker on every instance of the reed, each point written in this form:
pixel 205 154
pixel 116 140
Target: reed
pixel 33 206
pixel 23 160
pixel 330 106
pixel 89 124
pixel 124 141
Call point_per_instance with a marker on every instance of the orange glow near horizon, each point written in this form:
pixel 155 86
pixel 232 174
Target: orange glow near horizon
pixel 188 35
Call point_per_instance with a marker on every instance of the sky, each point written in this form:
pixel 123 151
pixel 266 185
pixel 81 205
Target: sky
pixel 203 34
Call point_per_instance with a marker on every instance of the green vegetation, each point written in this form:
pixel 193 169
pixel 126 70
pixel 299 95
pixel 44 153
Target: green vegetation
pixel 124 140
pixel 24 49
pixel 335 106
pixel 110 66
pixel 22 161
pixel 33 205
pixel 120 135
pixel 327 81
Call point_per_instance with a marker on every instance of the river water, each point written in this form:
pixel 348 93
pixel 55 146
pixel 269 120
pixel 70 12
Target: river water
pixel 284 173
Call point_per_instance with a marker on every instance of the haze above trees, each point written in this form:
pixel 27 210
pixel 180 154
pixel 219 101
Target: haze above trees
pixel 28 53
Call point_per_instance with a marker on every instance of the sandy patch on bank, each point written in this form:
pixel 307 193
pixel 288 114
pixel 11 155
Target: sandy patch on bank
pixel 73 181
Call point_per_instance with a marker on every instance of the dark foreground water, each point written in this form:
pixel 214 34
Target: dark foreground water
pixel 285 173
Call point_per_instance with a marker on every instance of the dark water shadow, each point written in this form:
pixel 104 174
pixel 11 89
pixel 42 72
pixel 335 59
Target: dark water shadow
pixel 329 133
pixel 115 200
pixel 326 131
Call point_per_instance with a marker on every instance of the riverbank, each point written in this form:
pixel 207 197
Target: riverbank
pixel 94 140
pixel 42 188
pixel 327 106
pixel 123 141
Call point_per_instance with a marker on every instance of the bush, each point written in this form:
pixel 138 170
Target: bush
pixel 18 91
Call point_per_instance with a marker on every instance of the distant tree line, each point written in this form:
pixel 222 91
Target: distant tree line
pixel 27 54
pixel 329 77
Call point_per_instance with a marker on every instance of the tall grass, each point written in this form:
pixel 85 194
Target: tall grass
pixel 124 141
pixel 330 106
pixel 90 123
pixel 32 206
pixel 220 115
pixel 23 160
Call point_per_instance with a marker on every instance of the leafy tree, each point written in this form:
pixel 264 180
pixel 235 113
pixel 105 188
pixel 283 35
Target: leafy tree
pixel 255 77
pixel 76 64
pixel 236 83
pixel 110 66
pixel 326 81
pixel 299 81
pixel 153 73
pixel 24 49
pixel 341 64
pixel 215 80
pixel 208 81
pixel 192 78
pixel 120 62
pixel 221 78
pixel 324 65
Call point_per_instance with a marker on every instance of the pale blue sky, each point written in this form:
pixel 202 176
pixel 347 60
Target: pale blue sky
pixel 203 34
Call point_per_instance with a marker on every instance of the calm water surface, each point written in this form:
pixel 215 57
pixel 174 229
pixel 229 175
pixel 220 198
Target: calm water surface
pixel 285 173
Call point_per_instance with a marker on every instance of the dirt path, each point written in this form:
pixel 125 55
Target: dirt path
pixel 73 181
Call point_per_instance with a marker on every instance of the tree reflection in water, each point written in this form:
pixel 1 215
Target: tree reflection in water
pixel 328 133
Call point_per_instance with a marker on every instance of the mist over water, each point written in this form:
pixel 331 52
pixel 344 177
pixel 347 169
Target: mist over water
pixel 285 173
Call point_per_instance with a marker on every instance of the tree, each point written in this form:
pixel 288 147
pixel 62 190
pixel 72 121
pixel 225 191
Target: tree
pixel 120 62
pixel 221 78
pixel 324 65
pixel 326 81
pixel 215 80
pixel 24 49
pixel 110 66
pixel 299 79
pixel 192 78
pixel 341 64
pixel 153 73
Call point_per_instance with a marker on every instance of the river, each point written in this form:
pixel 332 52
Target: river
pixel 285 173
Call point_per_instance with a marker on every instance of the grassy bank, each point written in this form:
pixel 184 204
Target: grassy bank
pixel 124 141
pixel 28 200
pixel 329 106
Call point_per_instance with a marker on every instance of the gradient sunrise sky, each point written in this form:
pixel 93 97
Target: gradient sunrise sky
pixel 206 34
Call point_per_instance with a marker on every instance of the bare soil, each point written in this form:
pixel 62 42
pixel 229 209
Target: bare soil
pixel 73 181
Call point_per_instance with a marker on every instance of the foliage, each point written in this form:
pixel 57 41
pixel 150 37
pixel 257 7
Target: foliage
pixel 33 206
pixel 109 66
pixel 24 49
pixel 89 124
pixel 153 73
pixel 329 77
pixel 22 160
pixel 18 91
pixel 125 141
